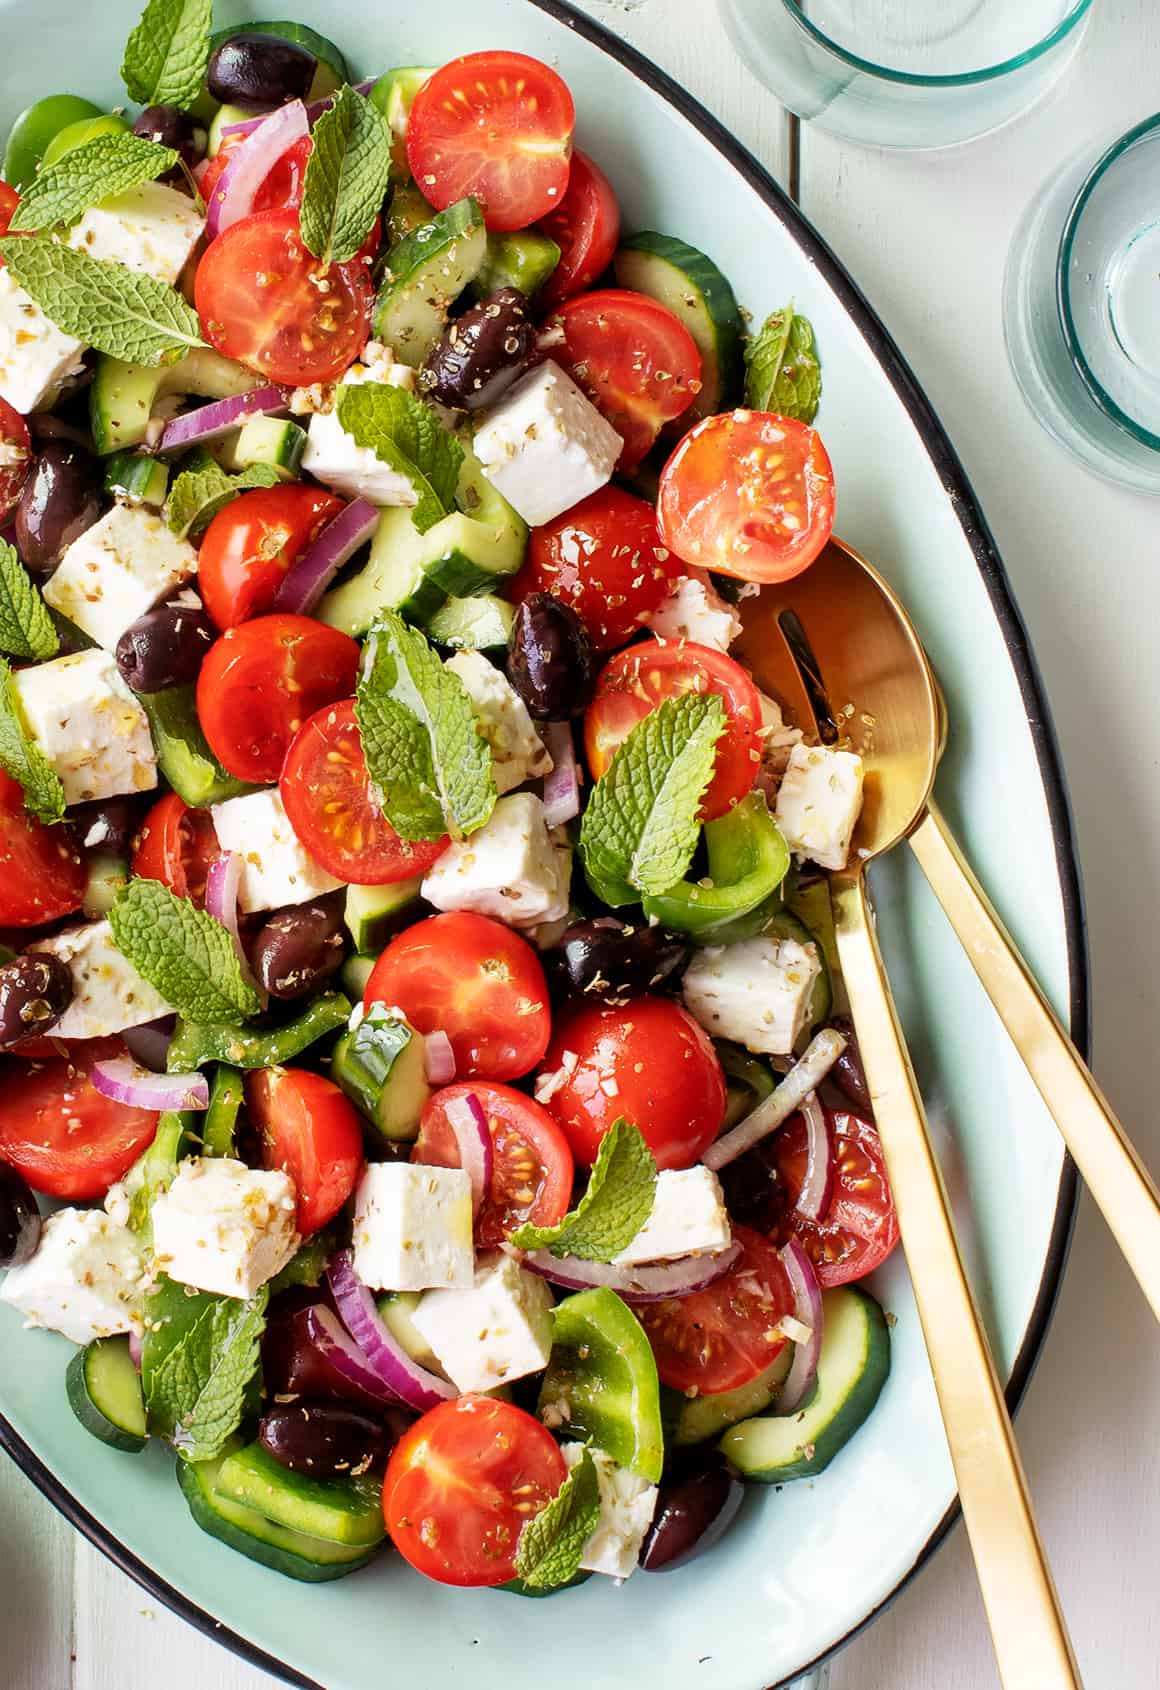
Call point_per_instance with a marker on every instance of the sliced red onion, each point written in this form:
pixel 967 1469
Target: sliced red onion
pixel 247 125
pixel 316 107
pixel 331 1339
pixel 221 416
pixel 391 1366
pixel 221 901
pixel 150 1042
pixel 468 1122
pixel 648 1284
pixel 309 575
pixel 440 1058
pixel 135 1342
pixel 785 1100
pixel 818 1184
pixel 119 1078
pixel 562 786
pixel 250 164
pixel 807 1308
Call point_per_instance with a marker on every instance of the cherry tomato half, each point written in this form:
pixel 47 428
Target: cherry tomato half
pixel 586 227
pixel 497 127
pixel 260 296
pixel 326 792
pixel 9 200
pixel 532 1165
pixel 15 454
pixel 65 1137
pixel 461 1485
pixel 42 874
pixel 859 1229
pixel 647 1060
pixel 249 547
pixel 312 1131
pixel 478 981
pixel 261 681
pixel 176 845
pixel 634 682
pixel 749 494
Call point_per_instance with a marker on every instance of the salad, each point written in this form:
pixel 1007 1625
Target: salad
pixel 418 1001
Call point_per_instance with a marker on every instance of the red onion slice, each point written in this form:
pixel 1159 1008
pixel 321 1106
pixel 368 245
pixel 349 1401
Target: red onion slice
pixel 818 1185
pixel 119 1078
pixel 149 1044
pixel 221 416
pixel 649 1284
pixel 135 1342
pixel 440 1058
pixel 562 786
pixel 807 1308
pixel 391 1365
pixel 250 164
pixel 468 1122
pixel 785 1100
pixel 221 901
pixel 331 1339
pixel 309 575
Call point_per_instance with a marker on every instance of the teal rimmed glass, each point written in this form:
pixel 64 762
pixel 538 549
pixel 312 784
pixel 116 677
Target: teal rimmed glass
pixel 907 73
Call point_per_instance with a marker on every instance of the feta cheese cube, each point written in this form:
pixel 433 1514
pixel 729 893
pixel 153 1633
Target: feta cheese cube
pixel 108 993
pixel 512 868
pixel 545 446
pixel 275 867
pixel 819 802
pixel 777 741
pixel 333 456
pixel 89 725
pixel 518 753
pixel 36 358
pixel 695 610
pixel 84 1279
pixel 412 1228
pixel 688 1218
pixel 149 228
pixel 756 992
pixel 499 1330
pixel 627 1505
pixel 224 1227
pixel 117 570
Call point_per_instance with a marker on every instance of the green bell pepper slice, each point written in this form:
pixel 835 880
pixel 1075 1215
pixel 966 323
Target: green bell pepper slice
pixel 601 1381
pixel 253 1047
pixel 35 130
pixel 748 860
pixel 748 1081
pixel 220 1130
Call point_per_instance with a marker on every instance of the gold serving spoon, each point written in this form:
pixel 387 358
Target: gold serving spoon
pixel 837 634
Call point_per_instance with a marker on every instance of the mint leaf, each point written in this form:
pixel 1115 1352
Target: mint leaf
pixel 619 1200
pixel 111 164
pixel 428 761
pixel 197 495
pixel 166 55
pixel 26 628
pixel 196 1371
pixel 640 828
pixel 408 436
pixel 22 757
pixel 782 373
pixel 347 177
pixel 184 953
pixel 552 1543
pixel 121 312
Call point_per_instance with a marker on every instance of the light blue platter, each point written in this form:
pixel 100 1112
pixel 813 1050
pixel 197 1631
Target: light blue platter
pixel 805 1565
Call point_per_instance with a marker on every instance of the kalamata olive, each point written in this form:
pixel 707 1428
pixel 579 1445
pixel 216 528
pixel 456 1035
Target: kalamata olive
pixel 108 825
pixel 607 957
pixel 19 1218
pixel 550 660
pixel 697 1500
pixel 166 646
pixel 167 126
pixel 61 498
pixel 35 991
pixel 259 72
pixel 293 1367
pixel 298 948
pixel 323 1438
pixel 481 353
pixel 848 1073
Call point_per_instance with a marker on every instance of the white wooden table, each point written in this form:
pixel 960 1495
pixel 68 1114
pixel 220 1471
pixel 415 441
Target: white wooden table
pixel 925 236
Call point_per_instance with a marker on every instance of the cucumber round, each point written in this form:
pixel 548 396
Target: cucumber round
pixel 313 1560
pixel 104 1392
pixel 346 1511
pixel 356 972
pixel 479 624
pixel 374 914
pixel 332 69
pixel 396 1310
pixel 697 1419
pixel 783 924
pixel 423 277
pixel 690 285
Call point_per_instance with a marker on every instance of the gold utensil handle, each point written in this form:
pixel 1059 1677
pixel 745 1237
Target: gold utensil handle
pixel 1027 1627
pixel 1114 1173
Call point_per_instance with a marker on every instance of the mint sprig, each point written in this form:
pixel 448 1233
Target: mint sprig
pixel 408 436
pixel 782 372
pixel 167 53
pixel 109 165
pixel 197 495
pixel 551 1545
pixel 23 759
pixel 641 826
pixel 121 312
pixel 347 177
pixel 184 953
pixel 199 1357
pixel 26 628
pixel 429 763
pixel 619 1200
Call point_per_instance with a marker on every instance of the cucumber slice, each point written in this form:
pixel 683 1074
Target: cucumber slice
pixel 224 118
pixel 382 1068
pixel 356 971
pixel 396 1311
pixel 690 285
pixel 332 69
pixel 394 95
pixel 852 1369
pixel 521 260
pixel 423 277
pixel 811 904
pixel 123 395
pixel 138 479
pixel 104 1392
pixel 268 440
pixel 479 624
pixel 346 1511
pixel 372 912
pixel 407 212
pixel 748 1081
pixel 106 874
pixel 183 752
pixel 694 1420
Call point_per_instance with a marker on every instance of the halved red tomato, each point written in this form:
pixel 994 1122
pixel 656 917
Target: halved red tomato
pixel 42 874
pixel 176 845
pixel 67 1139
pixel 9 200
pixel 250 545
pixel 15 453
pixel 859 1229
pixel 586 227
pixel 312 1131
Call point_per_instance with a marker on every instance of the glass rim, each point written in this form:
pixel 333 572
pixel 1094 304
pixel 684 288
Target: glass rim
pixel 956 79
pixel 1105 162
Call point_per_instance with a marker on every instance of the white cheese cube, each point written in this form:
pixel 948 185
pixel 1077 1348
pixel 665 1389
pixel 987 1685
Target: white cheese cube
pixel 224 1227
pixel 149 228
pixel 627 1505
pixel 275 867
pixel 695 610
pixel 512 868
pixel 688 1218
pixel 819 802
pixel 108 993
pixel 36 358
pixel 84 1279
pixel 333 456
pixel 545 446
pixel 518 753
pixel 412 1228
pixel 777 741
pixel 756 992
pixel 89 725
pixel 117 570
pixel 499 1330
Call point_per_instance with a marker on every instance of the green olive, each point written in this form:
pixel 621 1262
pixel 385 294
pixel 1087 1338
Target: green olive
pixel 79 134
pixel 36 128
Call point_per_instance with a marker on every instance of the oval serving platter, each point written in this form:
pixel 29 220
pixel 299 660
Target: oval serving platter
pixel 807 1565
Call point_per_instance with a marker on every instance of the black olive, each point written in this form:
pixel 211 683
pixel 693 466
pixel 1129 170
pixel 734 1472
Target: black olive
pixel 62 497
pixel 167 126
pixel 259 72
pixel 324 1439
pixel 698 1498
pixel 19 1218
pixel 848 1073
pixel 35 991
pixel 298 948
pixel 550 659
pixel 607 957
pixel 166 646
pixel 107 825
pixel 481 353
